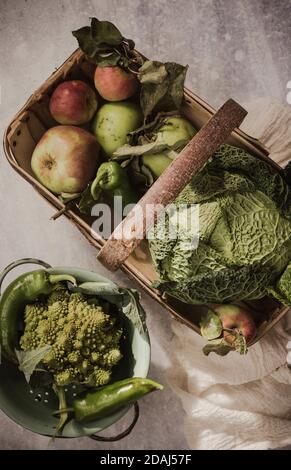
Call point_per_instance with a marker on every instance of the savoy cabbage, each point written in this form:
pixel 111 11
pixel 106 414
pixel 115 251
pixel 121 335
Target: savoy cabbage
pixel 244 234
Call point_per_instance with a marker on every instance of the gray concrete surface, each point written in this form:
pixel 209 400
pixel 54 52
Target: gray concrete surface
pixel 238 49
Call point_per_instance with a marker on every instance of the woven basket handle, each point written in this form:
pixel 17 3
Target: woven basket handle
pixel 134 227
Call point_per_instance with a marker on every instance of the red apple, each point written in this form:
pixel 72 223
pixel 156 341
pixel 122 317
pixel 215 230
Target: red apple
pixel 236 318
pixel 114 83
pixel 73 102
pixel 65 159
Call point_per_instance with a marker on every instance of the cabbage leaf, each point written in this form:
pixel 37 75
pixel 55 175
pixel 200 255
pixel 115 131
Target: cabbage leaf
pixel 244 234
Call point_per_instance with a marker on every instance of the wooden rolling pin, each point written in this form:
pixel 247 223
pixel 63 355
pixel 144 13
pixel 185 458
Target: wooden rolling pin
pixel 129 233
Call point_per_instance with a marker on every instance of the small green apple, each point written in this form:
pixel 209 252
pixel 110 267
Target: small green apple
pixel 174 130
pixel 156 163
pixel 113 122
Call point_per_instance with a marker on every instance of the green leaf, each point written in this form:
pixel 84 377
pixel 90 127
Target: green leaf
pixel 87 201
pixel 162 86
pixel 29 360
pixel 101 288
pixel 110 59
pixel 133 310
pixel 85 41
pixel 282 290
pixel 104 42
pixel 211 325
pixel 232 160
pixel 272 291
pixel 105 34
pixel 218 346
pixel 244 234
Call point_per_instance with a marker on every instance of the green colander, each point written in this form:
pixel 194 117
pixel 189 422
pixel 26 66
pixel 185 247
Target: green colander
pixel 32 407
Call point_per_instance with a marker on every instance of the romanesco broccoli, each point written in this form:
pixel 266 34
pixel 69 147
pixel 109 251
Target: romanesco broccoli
pixel 85 340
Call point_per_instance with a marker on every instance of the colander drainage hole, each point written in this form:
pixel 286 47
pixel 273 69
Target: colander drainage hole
pixel 38 397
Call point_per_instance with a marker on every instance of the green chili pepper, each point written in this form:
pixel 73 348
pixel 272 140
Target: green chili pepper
pixel 108 399
pixel 113 180
pixel 25 289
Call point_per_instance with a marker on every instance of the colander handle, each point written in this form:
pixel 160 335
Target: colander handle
pixel 122 434
pixel 19 262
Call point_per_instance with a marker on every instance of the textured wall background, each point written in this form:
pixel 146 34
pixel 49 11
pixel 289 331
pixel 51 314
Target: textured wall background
pixel 235 48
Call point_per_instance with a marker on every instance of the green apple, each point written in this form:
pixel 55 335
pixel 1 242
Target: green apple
pixel 174 130
pixel 156 163
pixel 113 122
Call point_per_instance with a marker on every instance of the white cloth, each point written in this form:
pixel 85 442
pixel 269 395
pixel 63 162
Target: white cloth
pixel 239 402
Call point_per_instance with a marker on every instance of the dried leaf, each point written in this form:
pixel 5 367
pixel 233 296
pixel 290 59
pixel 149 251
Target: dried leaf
pixel 130 43
pixel 86 201
pixel 105 34
pixel 152 72
pixel 137 150
pixel 150 128
pixel 85 41
pixel 103 41
pixel 160 90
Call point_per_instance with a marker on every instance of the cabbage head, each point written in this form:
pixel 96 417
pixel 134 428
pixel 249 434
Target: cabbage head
pixel 244 249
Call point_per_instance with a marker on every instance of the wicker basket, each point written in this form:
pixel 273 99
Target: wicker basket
pixel 34 119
